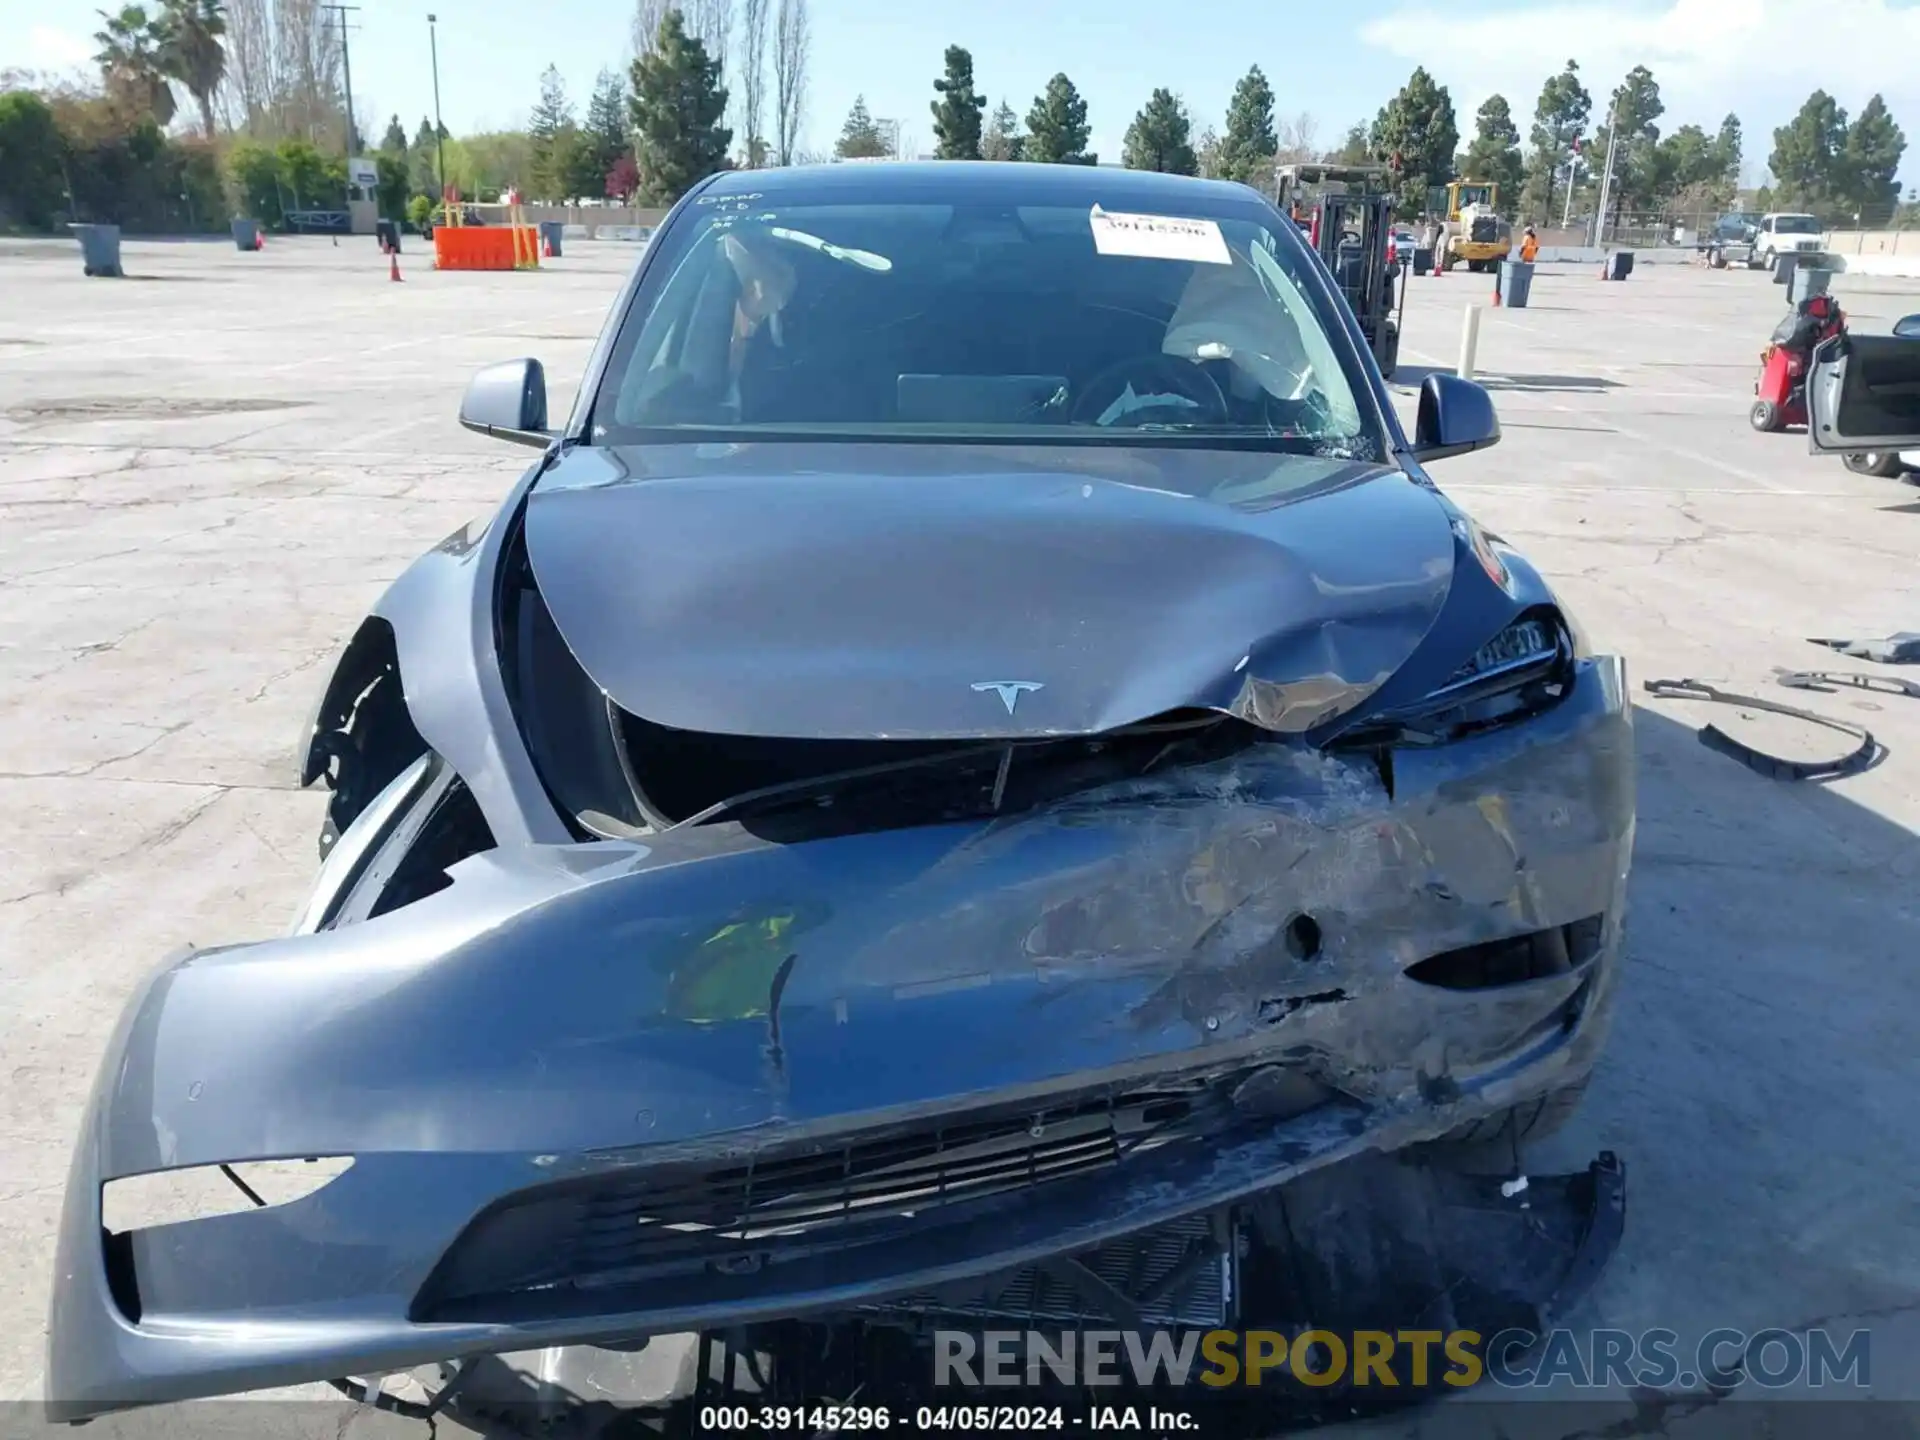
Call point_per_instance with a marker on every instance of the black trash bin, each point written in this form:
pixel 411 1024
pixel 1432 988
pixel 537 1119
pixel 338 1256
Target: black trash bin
pixel 551 232
pixel 1783 268
pixel 387 232
pixel 246 234
pixel 1423 260
pixel 1617 266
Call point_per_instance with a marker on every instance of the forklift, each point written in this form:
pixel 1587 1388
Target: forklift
pixel 1347 214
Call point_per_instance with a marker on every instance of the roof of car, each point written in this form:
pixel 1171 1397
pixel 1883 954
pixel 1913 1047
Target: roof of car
pixel 1002 181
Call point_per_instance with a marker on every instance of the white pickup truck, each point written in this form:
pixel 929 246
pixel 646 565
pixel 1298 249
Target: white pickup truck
pixel 1781 233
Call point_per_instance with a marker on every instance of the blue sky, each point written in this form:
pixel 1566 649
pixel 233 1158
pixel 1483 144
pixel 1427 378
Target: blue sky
pixel 1335 62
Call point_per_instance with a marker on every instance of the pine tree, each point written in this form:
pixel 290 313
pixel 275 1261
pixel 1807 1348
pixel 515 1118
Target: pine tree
pixel 1636 104
pixel 860 138
pixel 1807 153
pixel 676 106
pixel 606 129
pixel 1870 163
pixel 1249 143
pixel 1002 140
pixel 1726 151
pixel 1416 132
pixel 956 114
pixel 394 142
pixel 1057 129
pixel 423 161
pixel 1161 137
pixel 1559 118
pixel 1354 148
pixel 554 140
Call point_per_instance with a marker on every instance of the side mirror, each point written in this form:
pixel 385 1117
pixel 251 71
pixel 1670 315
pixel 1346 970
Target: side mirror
pixel 1907 327
pixel 509 402
pixel 1455 417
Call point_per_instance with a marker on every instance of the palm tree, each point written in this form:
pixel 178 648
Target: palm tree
pixel 131 50
pixel 191 51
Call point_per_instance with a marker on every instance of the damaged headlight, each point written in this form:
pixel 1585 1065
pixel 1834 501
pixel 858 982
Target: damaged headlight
pixel 1526 641
pixel 1518 671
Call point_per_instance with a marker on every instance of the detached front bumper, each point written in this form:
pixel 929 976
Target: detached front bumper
pixel 509 1062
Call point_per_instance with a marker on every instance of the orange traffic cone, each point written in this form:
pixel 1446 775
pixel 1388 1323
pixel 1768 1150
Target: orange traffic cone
pixel 393 265
pixel 546 249
pixel 259 239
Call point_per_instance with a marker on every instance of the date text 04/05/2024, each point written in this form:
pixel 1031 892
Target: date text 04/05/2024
pixel 855 1419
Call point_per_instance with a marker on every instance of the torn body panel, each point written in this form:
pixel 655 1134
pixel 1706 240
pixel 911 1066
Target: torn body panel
pixel 442 612
pixel 564 1023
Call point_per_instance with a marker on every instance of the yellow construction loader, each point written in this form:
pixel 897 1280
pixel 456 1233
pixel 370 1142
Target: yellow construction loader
pixel 1476 232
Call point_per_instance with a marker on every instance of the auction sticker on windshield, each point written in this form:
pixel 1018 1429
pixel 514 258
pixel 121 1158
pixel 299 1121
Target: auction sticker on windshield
pixel 1158 237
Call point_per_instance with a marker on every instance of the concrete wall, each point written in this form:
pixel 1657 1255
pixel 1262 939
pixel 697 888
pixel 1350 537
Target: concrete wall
pixel 1872 242
pixel 1875 252
pixel 1592 255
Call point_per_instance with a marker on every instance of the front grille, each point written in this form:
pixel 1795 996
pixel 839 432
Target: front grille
pixel 738 1215
pixel 788 790
pixel 1177 1276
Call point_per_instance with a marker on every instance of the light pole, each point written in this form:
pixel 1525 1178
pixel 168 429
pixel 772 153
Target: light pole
pixel 341 12
pixel 439 130
pixel 1606 175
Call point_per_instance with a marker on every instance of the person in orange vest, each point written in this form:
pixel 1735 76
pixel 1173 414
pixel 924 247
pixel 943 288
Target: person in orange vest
pixel 1529 246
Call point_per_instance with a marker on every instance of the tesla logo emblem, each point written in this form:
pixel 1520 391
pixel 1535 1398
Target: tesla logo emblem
pixel 1009 691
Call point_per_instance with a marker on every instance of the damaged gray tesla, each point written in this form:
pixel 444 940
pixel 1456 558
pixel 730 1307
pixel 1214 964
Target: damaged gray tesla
pixel 975 766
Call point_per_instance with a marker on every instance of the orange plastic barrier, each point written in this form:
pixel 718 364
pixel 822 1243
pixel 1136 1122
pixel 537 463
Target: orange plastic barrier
pixel 486 247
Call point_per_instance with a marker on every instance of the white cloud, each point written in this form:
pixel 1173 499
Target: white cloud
pixel 51 49
pixel 1758 59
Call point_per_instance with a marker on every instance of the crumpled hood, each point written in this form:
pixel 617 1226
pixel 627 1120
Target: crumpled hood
pixel 918 591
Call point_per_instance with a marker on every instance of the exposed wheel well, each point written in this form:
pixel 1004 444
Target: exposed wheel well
pixel 363 735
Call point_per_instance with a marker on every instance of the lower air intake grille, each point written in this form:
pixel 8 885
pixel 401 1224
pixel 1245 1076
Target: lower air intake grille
pixel 735 1216
pixel 1177 1276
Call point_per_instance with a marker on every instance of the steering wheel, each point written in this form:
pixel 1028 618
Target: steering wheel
pixel 1152 376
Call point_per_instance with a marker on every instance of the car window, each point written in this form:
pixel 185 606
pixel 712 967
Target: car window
pixel 993 322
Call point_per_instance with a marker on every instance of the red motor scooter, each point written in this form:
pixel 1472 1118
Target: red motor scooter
pixel 1780 394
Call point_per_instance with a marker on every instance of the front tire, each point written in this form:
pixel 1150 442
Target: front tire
pixel 1882 464
pixel 1718 259
pixel 1764 417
